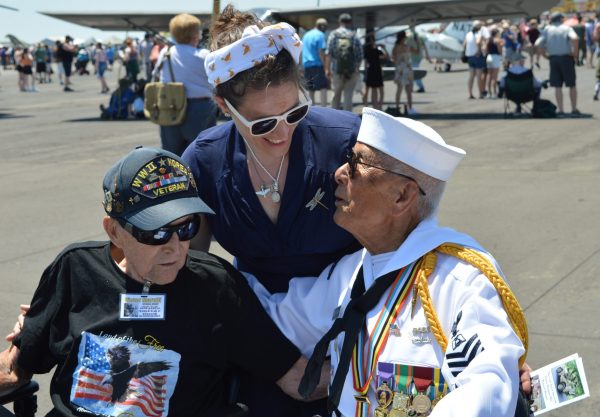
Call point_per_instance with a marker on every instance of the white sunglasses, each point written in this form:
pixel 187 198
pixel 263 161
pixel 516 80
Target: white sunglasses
pixel 265 125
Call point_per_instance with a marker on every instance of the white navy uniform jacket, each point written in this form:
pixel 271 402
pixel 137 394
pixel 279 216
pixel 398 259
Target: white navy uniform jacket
pixel 484 380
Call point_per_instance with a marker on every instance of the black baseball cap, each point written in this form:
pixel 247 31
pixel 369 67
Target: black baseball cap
pixel 150 188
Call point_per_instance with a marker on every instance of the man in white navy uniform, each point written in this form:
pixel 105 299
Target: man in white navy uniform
pixel 394 363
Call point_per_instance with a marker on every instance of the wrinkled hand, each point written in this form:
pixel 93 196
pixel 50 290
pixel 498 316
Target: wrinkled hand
pixel 525 374
pixel 24 308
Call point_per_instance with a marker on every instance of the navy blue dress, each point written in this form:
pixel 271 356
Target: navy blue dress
pixel 302 242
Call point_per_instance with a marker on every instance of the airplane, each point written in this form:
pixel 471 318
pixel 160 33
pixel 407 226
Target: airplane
pixel 445 45
pixel 376 14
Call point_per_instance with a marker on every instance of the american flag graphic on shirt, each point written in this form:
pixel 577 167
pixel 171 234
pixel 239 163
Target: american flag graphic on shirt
pixel 146 396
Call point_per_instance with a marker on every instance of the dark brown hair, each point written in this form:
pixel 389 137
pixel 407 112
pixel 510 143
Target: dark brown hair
pixel 275 69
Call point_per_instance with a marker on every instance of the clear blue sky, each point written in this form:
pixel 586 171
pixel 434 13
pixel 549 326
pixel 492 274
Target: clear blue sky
pixel 30 26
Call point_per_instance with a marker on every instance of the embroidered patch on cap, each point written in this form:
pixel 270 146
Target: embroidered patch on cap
pixel 161 177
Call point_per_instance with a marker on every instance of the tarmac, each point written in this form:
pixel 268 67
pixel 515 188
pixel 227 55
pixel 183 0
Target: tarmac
pixel 528 190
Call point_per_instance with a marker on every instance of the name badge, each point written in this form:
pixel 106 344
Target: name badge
pixel 142 307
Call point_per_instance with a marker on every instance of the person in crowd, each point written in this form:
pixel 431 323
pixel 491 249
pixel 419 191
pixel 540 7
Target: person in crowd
pixel 136 325
pixel 4 57
pixel 130 58
pixel 418 50
pixel 403 76
pixel 517 66
pixel 110 54
pixel 559 43
pixel 40 62
pixel 579 29
pixel 313 58
pixel 511 44
pixel 137 106
pixel 155 53
pixel 49 59
pixel 374 54
pixel 473 47
pixel 414 322
pixel 57 55
pixel 17 54
pixel 26 63
pixel 67 52
pixel 145 51
pixel 596 38
pixel 119 106
pixel 82 60
pixel 589 40
pixel 493 61
pixel 533 33
pixel 342 62
pixel 187 62
pixel 101 65
pixel 268 173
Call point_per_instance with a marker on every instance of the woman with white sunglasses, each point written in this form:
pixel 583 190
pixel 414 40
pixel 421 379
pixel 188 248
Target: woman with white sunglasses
pixel 268 173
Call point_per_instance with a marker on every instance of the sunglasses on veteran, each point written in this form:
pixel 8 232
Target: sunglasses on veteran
pixel 353 160
pixel 185 231
pixel 265 125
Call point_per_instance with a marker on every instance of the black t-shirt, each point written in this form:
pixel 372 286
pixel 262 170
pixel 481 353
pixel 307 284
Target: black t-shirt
pixel 110 366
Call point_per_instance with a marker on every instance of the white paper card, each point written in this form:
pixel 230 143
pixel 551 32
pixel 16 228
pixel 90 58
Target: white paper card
pixel 557 384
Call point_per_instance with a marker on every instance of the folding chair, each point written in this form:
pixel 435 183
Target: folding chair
pixel 24 401
pixel 518 88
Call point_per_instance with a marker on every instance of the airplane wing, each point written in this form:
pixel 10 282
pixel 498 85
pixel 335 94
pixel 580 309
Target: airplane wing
pixel 16 42
pixel 373 14
pixel 158 21
pixel 414 12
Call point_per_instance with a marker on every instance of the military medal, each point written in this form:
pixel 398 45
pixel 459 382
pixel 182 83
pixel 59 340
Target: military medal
pixel 401 401
pixel 384 398
pixel 398 413
pixel 421 403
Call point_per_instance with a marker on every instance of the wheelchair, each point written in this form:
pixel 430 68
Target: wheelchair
pixel 24 401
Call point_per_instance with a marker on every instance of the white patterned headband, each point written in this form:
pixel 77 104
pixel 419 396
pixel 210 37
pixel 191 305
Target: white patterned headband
pixel 254 46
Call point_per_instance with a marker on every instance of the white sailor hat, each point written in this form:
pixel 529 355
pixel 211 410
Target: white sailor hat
pixel 411 142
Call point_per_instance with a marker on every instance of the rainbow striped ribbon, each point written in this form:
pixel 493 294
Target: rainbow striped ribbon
pixel 367 350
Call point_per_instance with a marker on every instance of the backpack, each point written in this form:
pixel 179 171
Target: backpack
pixel 165 103
pixel 543 109
pixel 345 55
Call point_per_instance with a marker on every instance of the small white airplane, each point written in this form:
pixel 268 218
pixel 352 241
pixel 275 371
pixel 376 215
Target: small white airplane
pixel 443 42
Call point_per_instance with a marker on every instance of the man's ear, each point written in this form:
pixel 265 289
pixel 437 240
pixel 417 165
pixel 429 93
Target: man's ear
pixel 405 198
pixel 222 105
pixel 110 227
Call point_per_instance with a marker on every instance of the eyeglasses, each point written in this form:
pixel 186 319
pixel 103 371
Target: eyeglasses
pixel 353 159
pixel 265 125
pixel 186 231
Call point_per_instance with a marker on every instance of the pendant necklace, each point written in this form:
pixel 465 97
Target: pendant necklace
pixel 264 189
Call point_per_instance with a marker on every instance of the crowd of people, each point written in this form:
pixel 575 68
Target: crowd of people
pixel 332 61
pixel 64 58
pixel 332 222
pixel 495 46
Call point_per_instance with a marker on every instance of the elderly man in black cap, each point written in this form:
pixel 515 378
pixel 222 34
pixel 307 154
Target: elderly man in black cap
pixel 135 325
pixel 560 44
pixel 342 61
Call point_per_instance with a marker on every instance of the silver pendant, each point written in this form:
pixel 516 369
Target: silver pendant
pixel 275 197
pixel 264 190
